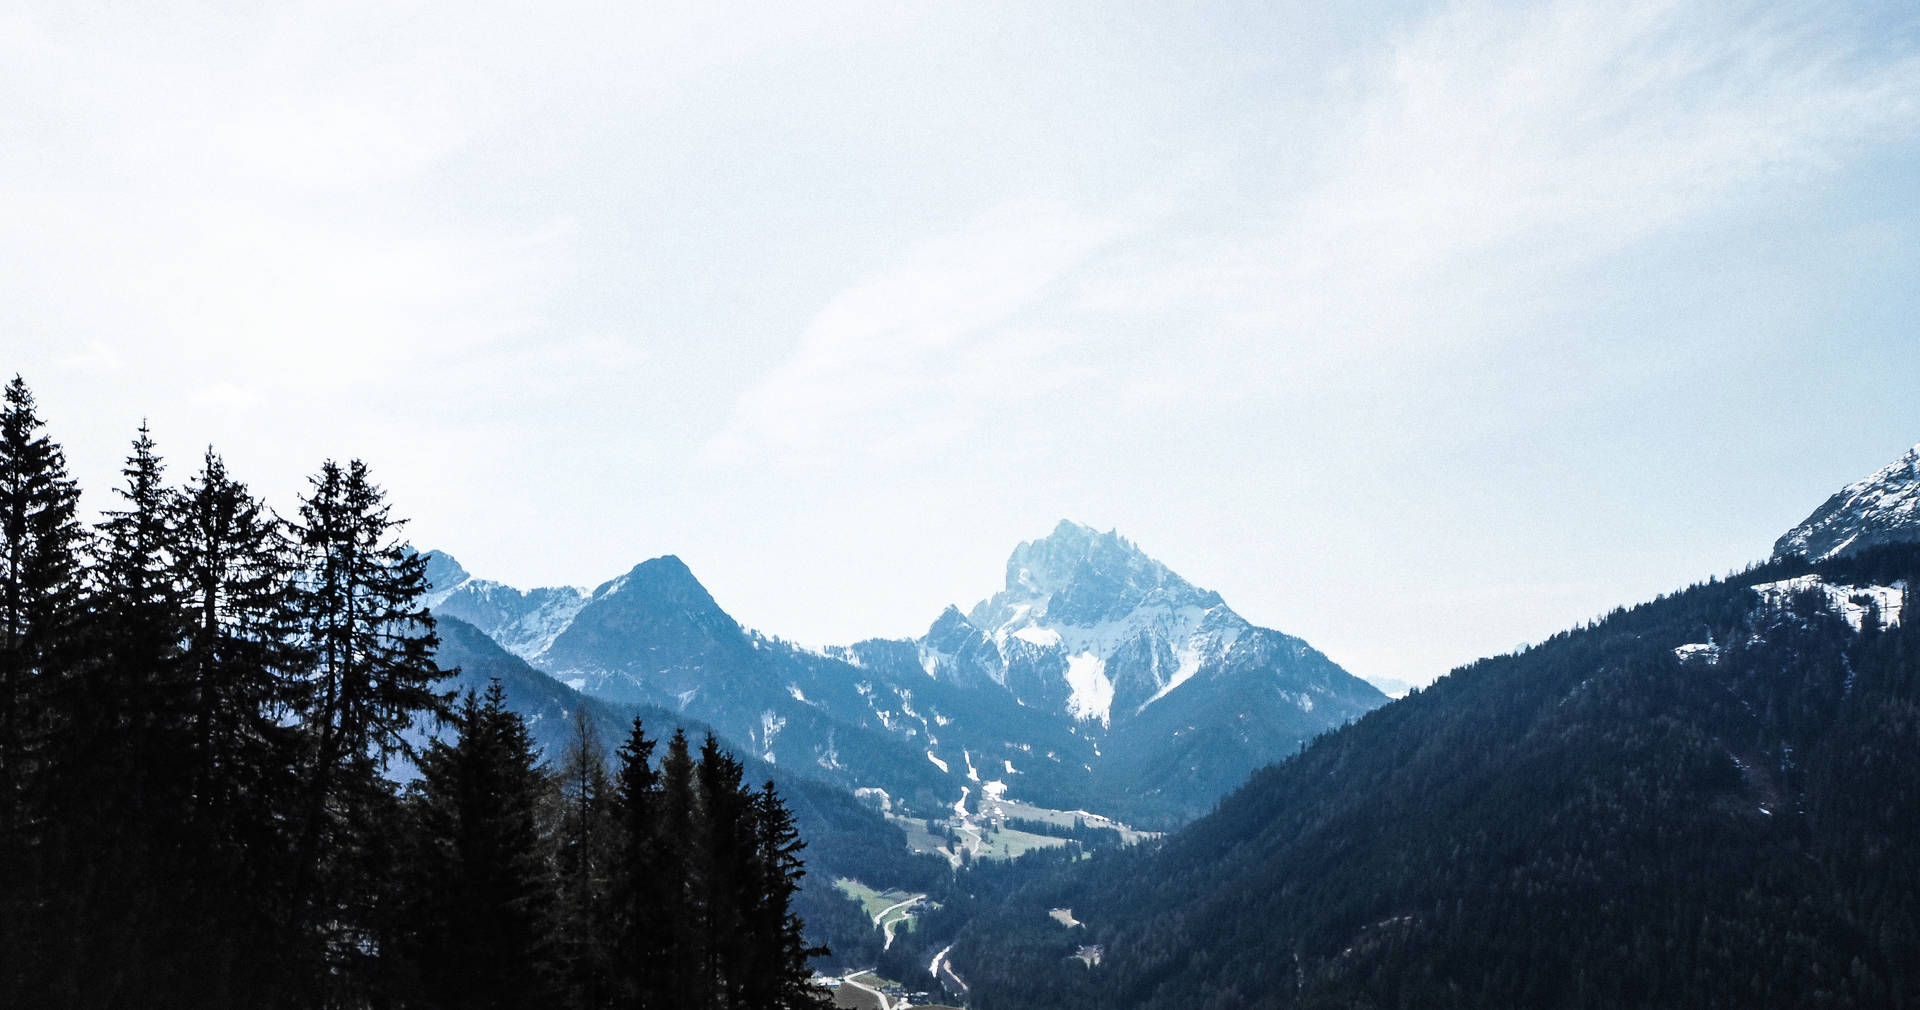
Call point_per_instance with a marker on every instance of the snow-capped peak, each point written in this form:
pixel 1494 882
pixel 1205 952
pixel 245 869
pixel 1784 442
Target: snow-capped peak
pixel 1089 625
pixel 1882 509
pixel 1077 575
pixel 444 575
pixel 524 622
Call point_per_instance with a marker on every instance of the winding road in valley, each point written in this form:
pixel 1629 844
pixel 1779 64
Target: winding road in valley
pixel 885 1004
pixel 888 927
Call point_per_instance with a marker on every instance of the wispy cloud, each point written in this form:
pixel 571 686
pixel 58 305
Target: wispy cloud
pixel 1581 127
pixel 1464 167
pixel 904 359
pixel 1489 153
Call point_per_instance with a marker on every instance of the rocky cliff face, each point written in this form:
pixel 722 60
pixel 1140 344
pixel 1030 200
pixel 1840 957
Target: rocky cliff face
pixel 1882 509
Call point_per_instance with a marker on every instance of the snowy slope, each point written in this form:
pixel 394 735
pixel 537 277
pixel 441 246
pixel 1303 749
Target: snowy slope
pixel 1177 696
pixel 1089 626
pixel 524 622
pixel 1882 509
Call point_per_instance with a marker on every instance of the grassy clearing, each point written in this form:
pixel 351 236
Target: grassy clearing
pixel 919 839
pixel 873 901
pixel 1003 844
pixel 1065 819
pixel 1009 844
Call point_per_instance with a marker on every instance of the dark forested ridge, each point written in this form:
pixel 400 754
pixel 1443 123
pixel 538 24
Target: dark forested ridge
pixel 1707 800
pixel 1597 821
pixel 201 710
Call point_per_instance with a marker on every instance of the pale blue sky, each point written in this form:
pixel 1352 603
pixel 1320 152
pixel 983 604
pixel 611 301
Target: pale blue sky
pixel 1420 331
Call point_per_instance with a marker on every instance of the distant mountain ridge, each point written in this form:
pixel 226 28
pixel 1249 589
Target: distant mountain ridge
pixel 1097 676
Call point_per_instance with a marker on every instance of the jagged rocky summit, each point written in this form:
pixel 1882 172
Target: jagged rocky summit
pixel 1090 627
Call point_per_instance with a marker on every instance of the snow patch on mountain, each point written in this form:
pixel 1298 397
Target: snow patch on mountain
pixel 524 622
pixel 534 634
pixel 1703 652
pixel 770 727
pixel 1191 656
pixel 1851 602
pixel 1043 637
pixel 1092 692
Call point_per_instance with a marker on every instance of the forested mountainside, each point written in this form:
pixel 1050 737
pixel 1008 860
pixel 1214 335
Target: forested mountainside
pixel 843 837
pixel 1706 800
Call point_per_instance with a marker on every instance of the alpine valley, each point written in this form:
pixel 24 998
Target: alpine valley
pixel 1709 799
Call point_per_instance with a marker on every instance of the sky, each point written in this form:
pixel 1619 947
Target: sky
pixel 1421 331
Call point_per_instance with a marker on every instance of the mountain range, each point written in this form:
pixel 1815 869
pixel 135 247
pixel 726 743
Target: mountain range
pixel 1707 799
pixel 1096 678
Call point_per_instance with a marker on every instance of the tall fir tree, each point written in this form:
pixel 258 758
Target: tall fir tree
pixel 40 594
pixel 649 887
pixel 722 859
pixel 780 977
pixel 244 671
pixel 116 772
pixel 358 596
pixel 479 889
pixel 676 907
pixel 585 853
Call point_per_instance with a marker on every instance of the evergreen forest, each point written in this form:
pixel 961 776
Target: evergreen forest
pixel 232 775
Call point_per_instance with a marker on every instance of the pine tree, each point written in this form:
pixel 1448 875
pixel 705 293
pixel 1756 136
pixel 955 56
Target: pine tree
pixel 585 855
pixel 780 975
pixel 360 601
pixel 649 888
pixel 724 839
pixel 39 602
pixel 358 598
pixel 243 669
pixel 116 772
pixel 674 911
pixel 479 891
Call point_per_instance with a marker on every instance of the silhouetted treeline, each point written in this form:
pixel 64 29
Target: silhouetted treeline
pixel 202 706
